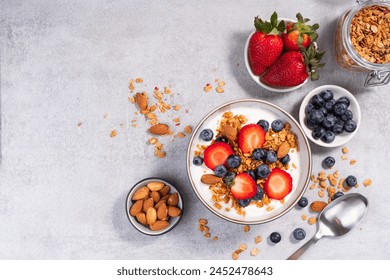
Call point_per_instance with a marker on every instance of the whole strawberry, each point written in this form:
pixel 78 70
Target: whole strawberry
pixel 265 45
pixel 294 67
pixel 299 34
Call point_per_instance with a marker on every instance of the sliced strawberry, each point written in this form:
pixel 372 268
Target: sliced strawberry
pixel 278 184
pixel 251 137
pixel 244 186
pixel 217 154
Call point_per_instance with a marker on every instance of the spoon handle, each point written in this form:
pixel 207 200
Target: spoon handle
pixel 305 247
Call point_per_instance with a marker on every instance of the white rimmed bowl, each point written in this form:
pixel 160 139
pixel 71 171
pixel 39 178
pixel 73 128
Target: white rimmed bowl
pixel 338 92
pixel 253 110
pixel 173 221
pixel 257 78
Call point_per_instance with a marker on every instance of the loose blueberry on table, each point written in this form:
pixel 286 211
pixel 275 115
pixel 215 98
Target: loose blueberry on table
pixel 303 202
pixel 329 162
pixel 351 181
pixel 299 234
pixel 275 237
pixel 337 195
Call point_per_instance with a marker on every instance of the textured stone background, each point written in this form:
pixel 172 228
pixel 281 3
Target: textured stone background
pixel 63 188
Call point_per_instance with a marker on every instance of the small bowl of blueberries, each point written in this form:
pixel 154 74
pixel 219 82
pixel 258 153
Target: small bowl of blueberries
pixel 330 116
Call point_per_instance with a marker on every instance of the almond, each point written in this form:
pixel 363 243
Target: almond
pixel 173 199
pixel 210 179
pixel 165 190
pixel 141 100
pixel 149 202
pixel 155 186
pixel 173 211
pixel 162 212
pixel 283 149
pixel 136 207
pixel 159 225
pixel 156 196
pixel 158 204
pixel 151 215
pixel 141 217
pixel 141 193
pixel 229 132
pixel 159 129
pixel 317 206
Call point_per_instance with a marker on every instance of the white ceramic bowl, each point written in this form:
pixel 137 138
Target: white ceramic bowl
pixel 338 92
pixel 253 110
pixel 173 221
pixel 257 78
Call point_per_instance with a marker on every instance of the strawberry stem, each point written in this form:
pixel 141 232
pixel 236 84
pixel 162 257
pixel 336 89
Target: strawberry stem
pixel 271 27
pixel 312 58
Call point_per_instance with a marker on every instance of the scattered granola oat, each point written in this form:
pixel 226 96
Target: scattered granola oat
pixel 257 239
pixel 304 217
pixel 367 182
pixel 219 90
pixel 246 228
pixel 243 247
pixel 215 238
pixel 235 256
pixel 344 157
pixel 188 129
pixel 352 162
pixel 254 251
pixel 139 80
pixel 207 88
pixel 344 150
pixel 113 133
pixel 79 124
pixel 312 220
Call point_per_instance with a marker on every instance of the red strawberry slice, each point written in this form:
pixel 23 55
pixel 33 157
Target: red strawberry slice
pixel 244 186
pixel 217 154
pixel 278 184
pixel 250 137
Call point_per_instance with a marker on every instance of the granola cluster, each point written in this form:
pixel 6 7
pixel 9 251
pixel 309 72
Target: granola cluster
pixel 370 34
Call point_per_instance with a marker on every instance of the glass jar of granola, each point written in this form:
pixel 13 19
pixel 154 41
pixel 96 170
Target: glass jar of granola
pixel 362 40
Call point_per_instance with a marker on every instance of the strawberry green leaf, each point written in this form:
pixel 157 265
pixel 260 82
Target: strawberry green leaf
pixel 274 19
pixel 299 17
pixel 281 26
pixel 315 26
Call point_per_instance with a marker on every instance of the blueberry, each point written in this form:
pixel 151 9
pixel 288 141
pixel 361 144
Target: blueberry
pixel 338 127
pixel 286 159
pixel 277 125
pixel 311 125
pixel 326 95
pixel 329 121
pixel 303 202
pixel 328 137
pixel 197 161
pixel 350 126
pixel 329 161
pixel 329 105
pixel 275 237
pixel 316 116
pixel 252 174
pixel 259 194
pixel 348 115
pixel 262 171
pixel 317 101
pixel 323 110
pixel 264 124
pixel 299 234
pixel 309 107
pixel 233 161
pixel 337 195
pixel 318 132
pixel 220 170
pixel 221 139
pixel 207 134
pixel 351 181
pixel 271 156
pixel 244 202
pixel 259 154
pixel 344 100
pixel 340 108
pixel 229 178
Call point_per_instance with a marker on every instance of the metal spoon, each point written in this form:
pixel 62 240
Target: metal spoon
pixel 337 219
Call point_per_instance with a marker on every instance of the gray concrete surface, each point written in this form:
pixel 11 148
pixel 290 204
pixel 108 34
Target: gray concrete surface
pixel 63 187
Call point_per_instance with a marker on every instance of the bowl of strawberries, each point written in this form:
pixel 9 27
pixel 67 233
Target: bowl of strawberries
pixel 281 55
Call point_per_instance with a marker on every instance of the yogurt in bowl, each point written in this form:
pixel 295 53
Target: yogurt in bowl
pixel 219 197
